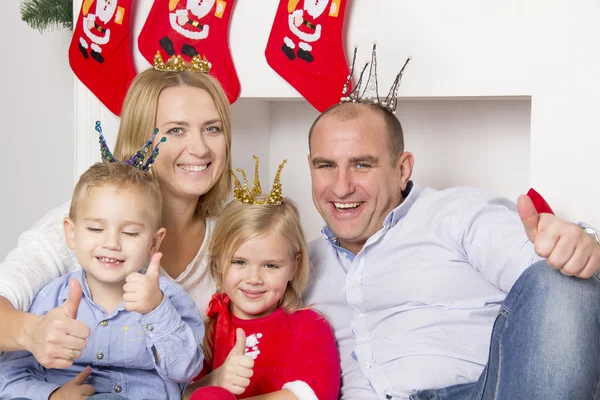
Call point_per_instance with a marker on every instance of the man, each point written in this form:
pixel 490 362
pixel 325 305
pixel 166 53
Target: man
pixel 414 280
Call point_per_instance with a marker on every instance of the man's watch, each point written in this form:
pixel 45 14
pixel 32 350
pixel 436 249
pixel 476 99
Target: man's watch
pixel 592 233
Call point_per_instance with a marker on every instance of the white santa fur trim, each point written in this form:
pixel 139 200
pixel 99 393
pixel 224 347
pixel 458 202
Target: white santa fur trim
pixel 301 390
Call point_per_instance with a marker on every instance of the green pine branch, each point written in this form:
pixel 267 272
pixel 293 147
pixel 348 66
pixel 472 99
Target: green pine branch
pixel 48 14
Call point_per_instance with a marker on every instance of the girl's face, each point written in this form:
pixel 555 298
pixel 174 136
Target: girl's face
pixel 194 156
pixel 258 275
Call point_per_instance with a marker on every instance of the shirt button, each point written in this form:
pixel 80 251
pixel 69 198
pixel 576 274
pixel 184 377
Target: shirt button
pixel 361 315
pixel 149 327
pixel 104 323
pixel 117 389
pixel 368 365
pixel 99 355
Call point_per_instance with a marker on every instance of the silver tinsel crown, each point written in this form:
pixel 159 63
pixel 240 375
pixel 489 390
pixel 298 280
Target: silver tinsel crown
pixel 369 93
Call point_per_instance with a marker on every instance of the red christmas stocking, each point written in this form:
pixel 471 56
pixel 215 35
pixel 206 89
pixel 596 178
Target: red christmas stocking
pixel 99 53
pixel 305 47
pixel 188 28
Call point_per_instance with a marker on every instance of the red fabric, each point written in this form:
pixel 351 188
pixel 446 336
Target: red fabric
pixel 319 74
pixel 224 337
pixel 287 348
pixel 99 54
pixel 190 27
pixel 212 393
pixel 539 203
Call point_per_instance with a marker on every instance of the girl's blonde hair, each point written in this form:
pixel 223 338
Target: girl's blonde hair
pixel 239 223
pixel 138 119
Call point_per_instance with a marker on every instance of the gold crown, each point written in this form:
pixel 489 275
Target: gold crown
pixel 176 63
pixel 246 196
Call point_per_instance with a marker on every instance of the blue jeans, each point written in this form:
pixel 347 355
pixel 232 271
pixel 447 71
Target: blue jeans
pixel 545 343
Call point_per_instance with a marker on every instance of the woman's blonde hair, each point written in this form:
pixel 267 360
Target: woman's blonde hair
pixel 138 119
pixel 239 223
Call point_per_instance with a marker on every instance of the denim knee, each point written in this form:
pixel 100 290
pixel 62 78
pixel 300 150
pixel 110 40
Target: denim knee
pixel 548 295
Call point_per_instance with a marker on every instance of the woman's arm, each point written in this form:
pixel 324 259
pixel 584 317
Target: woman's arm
pixel 41 255
pixel 16 327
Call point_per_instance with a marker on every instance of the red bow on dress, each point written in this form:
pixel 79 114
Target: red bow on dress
pixel 224 332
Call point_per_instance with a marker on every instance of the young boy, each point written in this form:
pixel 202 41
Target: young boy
pixel 146 332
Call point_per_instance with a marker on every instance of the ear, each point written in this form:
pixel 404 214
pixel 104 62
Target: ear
pixel 405 166
pixel 69 228
pixel 157 240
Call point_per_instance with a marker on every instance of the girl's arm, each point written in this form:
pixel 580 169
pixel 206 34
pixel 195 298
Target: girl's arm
pixel 278 395
pixel 317 371
pixel 234 375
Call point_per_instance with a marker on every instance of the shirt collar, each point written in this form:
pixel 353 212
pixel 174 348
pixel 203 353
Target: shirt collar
pixel 410 194
pixel 85 289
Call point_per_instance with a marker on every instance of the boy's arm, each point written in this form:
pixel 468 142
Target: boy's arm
pixel 22 376
pixel 174 334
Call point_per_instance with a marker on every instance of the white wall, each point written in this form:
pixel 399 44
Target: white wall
pixel 36 110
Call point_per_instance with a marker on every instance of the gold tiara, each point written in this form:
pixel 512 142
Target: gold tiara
pixel 248 196
pixel 176 63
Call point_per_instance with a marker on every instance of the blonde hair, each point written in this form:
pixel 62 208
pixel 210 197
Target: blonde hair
pixel 239 223
pixel 122 177
pixel 138 119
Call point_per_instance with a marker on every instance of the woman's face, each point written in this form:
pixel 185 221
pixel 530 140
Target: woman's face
pixel 194 156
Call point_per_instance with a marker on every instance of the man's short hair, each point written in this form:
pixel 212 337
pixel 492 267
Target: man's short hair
pixel 350 111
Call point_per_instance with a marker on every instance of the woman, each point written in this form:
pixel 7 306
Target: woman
pixel 192 111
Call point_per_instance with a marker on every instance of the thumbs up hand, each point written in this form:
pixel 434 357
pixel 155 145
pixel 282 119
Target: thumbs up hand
pixel 565 245
pixel 57 338
pixel 235 373
pixel 142 292
pixel 76 388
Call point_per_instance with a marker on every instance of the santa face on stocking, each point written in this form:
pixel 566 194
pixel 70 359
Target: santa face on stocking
pixel 303 24
pixel 96 27
pixel 186 19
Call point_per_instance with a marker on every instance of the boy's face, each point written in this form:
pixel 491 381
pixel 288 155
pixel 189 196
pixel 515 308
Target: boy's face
pixel 114 233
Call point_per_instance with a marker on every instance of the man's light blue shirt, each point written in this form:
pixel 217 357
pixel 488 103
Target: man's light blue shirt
pixel 151 356
pixel 414 309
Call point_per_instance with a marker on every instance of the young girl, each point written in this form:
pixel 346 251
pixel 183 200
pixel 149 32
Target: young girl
pixel 259 339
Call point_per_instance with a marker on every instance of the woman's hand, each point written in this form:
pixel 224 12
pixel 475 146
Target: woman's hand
pixel 57 338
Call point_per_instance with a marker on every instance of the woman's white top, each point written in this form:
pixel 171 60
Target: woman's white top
pixel 42 255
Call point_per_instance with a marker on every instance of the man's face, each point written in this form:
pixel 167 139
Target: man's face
pixel 355 182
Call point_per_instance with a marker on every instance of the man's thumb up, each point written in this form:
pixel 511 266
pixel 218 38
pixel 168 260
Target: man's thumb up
pixel 74 298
